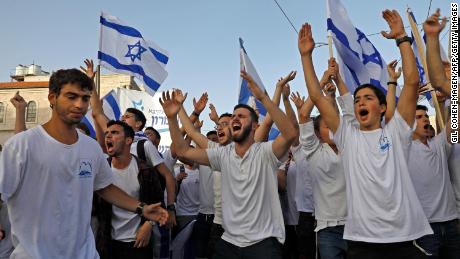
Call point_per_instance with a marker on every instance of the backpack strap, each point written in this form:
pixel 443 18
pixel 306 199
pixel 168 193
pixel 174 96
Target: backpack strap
pixel 141 150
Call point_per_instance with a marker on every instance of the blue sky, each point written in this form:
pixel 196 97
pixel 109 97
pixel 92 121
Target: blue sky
pixel 201 36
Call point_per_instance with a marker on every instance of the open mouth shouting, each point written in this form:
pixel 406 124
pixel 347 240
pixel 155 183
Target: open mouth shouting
pixel 363 114
pixel 109 145
pixel 236 126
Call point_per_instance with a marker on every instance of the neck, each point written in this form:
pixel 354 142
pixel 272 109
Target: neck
pixel 422 139
pixel 334 147
pixel 122 161
pixel 242 147
pixel 370 127
pixel 61 131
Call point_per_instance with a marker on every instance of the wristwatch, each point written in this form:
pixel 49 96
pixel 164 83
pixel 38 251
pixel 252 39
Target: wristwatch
pixel 403 39
pixel 140 208
pixel 171 207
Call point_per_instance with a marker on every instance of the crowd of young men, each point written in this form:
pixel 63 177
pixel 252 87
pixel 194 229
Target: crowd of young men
pixel 371 182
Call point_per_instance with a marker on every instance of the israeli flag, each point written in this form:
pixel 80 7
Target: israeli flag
pixel 245 96
pixel 124 50
pixel 110 104
pixel 359 61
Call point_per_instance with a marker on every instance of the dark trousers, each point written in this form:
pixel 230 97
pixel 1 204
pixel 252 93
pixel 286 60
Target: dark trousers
pixel 401 250
pixel 201 234
pixel 216 233
pixel 268 248
pixel 290 245
pixel 306 235
pixel 444 243
pixel 123 250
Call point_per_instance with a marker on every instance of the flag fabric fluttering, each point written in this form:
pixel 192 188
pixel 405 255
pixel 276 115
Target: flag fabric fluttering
pixel 359 61
pixel 245 96
pixel 123 50
pixel 110 104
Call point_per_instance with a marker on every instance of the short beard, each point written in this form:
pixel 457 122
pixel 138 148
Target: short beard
pixel 244 135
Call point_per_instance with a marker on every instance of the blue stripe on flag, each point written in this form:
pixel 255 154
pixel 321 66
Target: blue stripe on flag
pixel 92 132
pixel 160 56
pixel 152 84
pixel 126 30
pixel 114 105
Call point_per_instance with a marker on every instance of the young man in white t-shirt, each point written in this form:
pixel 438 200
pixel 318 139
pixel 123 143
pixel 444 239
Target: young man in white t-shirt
pixel 428 168
pixel 252 216
pixel 49 194
pixel 384 215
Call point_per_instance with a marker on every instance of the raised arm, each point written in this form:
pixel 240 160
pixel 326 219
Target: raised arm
pixel 290 112
pixel 333 67
pixel 283 142
pixel 304 107
pixel 432 28
pixel 190 129
pixel 391 93
pixel 263 130
pixel 20 105
pixel 306 46
pixel 171 106
pixel 409 95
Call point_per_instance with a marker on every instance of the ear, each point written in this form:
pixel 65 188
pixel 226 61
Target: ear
pixel 383 108
pixel 255 125
pixel 52 98
pixel 128 141
pixel 138 124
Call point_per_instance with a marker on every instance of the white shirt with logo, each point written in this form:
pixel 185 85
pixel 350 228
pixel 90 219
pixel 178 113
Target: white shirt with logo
pixel 382 204
pixel 250 202
pixel 126 223
pixel 48 187
pixel 188 198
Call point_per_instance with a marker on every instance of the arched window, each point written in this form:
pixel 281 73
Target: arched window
pixel 31 113
pixel 2 112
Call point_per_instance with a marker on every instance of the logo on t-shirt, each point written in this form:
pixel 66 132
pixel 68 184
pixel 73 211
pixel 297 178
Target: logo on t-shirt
pixel 384 143
pixel 86 170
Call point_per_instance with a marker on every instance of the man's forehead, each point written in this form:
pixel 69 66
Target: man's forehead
pixel 224 119
pixel 364 92
pixel 74 89
pixel 241 111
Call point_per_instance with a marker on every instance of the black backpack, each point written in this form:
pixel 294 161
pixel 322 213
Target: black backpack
pixel 141 155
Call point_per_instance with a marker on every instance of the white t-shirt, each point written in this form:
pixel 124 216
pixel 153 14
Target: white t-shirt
pixel 188 198
pixel 454 169
pixel 152 154
pixel 303 183
pixel 382 204
pixel 48 187
pixel 169 160
pixel 217 189
pixel 288 206
pixel 125 223
pixel 250 203
pixel 326 168
pixel 206 190
pixel 429 172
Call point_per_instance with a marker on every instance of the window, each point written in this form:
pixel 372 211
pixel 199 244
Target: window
pixel 31 113
pixel 2 112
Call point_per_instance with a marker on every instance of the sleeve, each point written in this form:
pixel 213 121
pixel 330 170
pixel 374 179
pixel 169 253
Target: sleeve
pixel 442 143
pixel 12 164
pixel 343 133
pixel 152 153
pixel 346 104
pixel 399 127
pixel 267 149
pixel 104 174
pixel 309 142
pixel 215 157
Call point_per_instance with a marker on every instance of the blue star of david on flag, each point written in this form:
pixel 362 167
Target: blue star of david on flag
pixel 140 50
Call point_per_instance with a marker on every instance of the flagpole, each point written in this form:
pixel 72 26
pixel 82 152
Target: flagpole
pixel 421 52
pixel 329 43
pixel 98 81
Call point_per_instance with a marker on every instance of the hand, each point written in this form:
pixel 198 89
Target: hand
pixel 441 97
pixel 432 26
pixel 396 25
pixel 306 42
pixel 143 235
pixel 89 70
pixel 181 176
pixel 253 87
pixel 424 88
pixel 171 219
pixel 213 114
pixel 286 91
pixel 284 80
pixel 155 212
pixel 18 102
pixel 201 104
pixel 172 104
pixel 329 89
pixel 327 76
pixel 391 67
pixel 333 68
pixel 297 100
